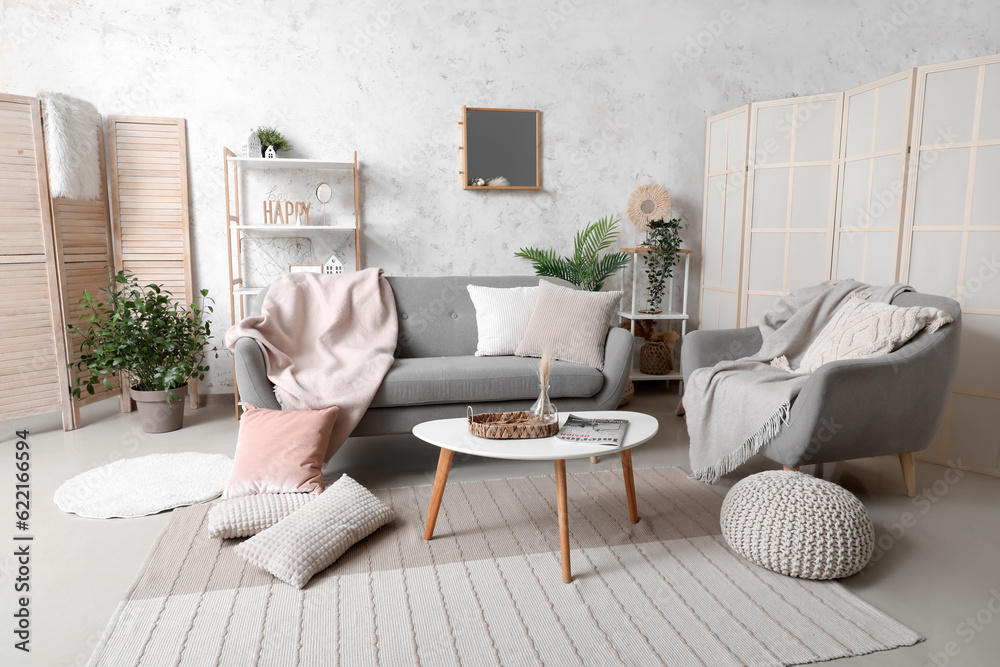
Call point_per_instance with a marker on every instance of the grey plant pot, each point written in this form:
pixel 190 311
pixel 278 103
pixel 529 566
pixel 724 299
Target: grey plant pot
pixel 155 414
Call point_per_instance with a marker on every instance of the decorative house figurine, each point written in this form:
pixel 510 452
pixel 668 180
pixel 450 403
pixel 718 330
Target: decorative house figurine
pixel 270 152
pixel 252 147
pixel 333 266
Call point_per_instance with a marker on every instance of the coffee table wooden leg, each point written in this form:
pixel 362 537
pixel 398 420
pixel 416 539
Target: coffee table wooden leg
pixel 563 518
pixel 633 510
pixel 440 479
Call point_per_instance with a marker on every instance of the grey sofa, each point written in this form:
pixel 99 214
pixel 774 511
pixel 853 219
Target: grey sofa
pixel 857 408
pixel 436 375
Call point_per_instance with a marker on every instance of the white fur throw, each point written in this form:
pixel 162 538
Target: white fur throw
pixel 863 329
pixel 72 147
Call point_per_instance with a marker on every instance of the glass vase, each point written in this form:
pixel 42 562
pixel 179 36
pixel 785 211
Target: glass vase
pixel 543 412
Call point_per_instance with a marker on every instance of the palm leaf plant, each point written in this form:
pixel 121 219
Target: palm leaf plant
pixel 586 268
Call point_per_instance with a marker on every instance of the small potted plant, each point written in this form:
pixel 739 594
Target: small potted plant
pixel 271 138
pixel 663 241
pixel 156 343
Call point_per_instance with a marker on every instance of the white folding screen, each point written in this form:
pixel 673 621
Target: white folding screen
pixel 951 240
pixel 791 198
pixel 873 166
pixel 722 222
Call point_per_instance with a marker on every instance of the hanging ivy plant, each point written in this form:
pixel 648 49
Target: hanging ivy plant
pixel 664 241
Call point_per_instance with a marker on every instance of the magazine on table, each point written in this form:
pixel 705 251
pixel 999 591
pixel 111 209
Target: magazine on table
pixel 609 432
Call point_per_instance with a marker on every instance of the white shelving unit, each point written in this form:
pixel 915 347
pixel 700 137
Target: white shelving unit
pixel 240 293
pixel 669 314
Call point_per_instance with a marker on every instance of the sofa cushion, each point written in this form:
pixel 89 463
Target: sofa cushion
pixel 470 379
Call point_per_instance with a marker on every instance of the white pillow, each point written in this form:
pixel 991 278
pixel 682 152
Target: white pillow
pixel 863 329
pixel 312 537
pixel 502 315
pixel 249 515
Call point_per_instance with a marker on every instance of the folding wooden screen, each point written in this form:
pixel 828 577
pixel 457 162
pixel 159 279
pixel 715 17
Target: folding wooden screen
pixel 951 241
pixel 897 180
pixel 722 222
pixel 791 198
pixel 873 174
pixel 32 352
pixel 83 249
pixel 149 193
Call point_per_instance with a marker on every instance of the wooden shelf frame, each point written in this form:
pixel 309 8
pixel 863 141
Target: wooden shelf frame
pixel 235 230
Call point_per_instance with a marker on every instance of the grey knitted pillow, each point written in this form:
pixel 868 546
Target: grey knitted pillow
pixel 312 537
pixel 248 515
pixel 798 525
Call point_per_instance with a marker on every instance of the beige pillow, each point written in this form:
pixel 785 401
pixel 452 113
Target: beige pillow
pixel 312 537
pixel 248 515
pixel 572 325
pixel 863 329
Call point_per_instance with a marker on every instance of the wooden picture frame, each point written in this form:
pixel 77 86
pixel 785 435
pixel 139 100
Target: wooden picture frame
pixel 465 150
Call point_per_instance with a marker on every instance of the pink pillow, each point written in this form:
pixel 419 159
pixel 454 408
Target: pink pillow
pixel 280 451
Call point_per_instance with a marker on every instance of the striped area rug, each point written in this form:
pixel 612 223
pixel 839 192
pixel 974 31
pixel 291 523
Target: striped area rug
pixel 488 590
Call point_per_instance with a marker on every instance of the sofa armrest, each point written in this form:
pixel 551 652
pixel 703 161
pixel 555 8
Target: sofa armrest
pixel 708 347
pixel 251 375
pixel 617 365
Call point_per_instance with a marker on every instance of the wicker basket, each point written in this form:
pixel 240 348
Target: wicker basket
pixel 508 426
pixel 655 358
pixel 627 396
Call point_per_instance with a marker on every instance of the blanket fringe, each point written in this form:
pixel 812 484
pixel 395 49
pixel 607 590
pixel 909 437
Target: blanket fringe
pixel 753 445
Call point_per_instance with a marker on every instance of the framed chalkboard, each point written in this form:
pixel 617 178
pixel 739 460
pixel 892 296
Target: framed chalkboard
pixel 502 149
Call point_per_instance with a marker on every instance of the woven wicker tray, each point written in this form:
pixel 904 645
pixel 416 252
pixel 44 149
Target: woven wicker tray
pixel 508 426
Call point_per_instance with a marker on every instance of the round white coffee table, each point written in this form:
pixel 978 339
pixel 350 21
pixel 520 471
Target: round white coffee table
pixel 452 435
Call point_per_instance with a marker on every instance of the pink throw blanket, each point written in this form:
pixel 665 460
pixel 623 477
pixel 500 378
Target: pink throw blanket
pixel 327 340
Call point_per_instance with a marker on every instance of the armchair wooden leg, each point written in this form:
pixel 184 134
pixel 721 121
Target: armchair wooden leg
pixel 593 459
pixel 906 462
pixel 795 469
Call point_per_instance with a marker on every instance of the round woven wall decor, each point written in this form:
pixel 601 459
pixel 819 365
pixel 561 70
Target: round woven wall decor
pixel 648 202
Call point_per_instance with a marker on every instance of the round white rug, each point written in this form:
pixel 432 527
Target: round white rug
pixel 145 485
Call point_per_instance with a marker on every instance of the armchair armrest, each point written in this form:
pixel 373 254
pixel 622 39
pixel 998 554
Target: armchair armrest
pixel 708 347
pixel 617 366
pixel 251 375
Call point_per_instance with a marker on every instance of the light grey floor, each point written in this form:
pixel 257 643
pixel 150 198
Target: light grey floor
pixel 938 575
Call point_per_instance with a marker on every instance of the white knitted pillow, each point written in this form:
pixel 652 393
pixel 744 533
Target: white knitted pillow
pixel 312 537
pixel 502 316
pixel 796 524
pixel 248 515
pixel 862 329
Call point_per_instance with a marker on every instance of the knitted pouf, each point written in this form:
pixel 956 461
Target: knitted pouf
pixel 798 525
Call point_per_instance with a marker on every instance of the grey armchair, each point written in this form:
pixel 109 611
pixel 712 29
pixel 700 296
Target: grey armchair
pixel 858 408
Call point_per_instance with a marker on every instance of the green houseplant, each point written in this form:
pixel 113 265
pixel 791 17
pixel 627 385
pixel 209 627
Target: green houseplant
pixel 586 268
pixel 269 136
pixel 156 343
pixel 663 241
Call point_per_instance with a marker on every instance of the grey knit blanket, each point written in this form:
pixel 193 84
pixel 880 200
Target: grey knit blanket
pixel 736 407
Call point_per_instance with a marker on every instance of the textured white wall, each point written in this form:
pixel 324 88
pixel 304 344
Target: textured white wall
pixel 624 89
